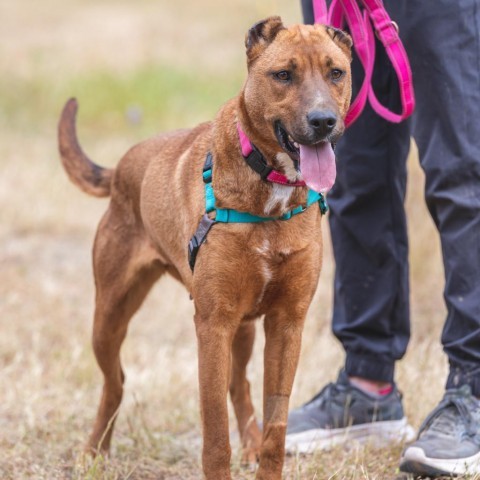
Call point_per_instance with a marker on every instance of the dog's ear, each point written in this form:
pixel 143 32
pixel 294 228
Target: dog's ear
pixel 261 35
pixel 342 39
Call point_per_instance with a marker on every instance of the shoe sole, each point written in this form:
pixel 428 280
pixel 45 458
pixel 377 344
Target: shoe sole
pixel 393 431
pixel 415 461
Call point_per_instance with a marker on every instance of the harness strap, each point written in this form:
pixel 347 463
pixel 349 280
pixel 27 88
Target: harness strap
pixel 360 26
pixel 198 239
pixel 226 215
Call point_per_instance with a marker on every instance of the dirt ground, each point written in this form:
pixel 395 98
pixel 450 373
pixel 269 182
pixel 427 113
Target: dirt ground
pixel 138 68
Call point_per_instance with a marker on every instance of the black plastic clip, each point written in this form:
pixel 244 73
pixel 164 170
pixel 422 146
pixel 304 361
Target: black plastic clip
pixel 198 239
pixel 256 162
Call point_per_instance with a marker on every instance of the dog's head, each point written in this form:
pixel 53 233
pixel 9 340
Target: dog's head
pixel 298 92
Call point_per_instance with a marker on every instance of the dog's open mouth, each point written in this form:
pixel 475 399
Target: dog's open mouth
pixel 315 162
pixel 287 143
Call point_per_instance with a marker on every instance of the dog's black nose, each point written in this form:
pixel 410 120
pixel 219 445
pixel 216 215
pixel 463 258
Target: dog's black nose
pixel 323 122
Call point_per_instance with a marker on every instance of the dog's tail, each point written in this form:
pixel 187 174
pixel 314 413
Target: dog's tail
pixel 85 174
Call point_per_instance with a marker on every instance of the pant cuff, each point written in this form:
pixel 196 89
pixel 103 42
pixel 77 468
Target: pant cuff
pixel 371 367
pixel 459 376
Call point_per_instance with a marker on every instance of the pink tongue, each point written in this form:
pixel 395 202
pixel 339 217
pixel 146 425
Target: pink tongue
pixel 317 164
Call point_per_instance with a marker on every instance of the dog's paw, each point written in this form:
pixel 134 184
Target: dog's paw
pixel 251 443
pixel 250 458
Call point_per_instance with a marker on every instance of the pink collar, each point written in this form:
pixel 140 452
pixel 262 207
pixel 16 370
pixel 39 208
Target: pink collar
pixel 256 161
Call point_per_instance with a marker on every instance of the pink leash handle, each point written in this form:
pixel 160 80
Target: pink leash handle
pixel 362 33
pixel 387 32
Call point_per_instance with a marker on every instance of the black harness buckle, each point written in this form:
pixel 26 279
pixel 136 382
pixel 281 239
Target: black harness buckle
pixel 198 239
pixel 256 162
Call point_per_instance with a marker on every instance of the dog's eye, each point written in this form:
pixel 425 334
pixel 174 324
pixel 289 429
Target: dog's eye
pixel 283 76
pixel 336 74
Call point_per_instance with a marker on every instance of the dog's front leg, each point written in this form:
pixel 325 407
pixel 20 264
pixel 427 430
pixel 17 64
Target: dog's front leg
pixel 283 332
pixel 214 336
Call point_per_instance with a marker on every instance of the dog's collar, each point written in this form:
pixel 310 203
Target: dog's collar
pixel 256 162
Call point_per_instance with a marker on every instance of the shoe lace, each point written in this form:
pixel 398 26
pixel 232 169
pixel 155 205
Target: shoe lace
pixel 443 417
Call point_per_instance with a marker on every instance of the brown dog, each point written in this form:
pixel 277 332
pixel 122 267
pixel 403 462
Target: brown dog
pixel 292 108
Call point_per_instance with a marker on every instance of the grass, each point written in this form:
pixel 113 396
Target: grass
pixel 141 100
pixel 139 68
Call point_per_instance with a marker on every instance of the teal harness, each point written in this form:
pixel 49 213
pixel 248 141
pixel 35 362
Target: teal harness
pixel 227 215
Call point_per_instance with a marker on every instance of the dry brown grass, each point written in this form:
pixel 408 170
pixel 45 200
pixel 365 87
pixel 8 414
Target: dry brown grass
pixel 49 382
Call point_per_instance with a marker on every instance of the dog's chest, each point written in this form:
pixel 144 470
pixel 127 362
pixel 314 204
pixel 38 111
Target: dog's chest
pixel 275 263
pixel 278 199
pixel 272 252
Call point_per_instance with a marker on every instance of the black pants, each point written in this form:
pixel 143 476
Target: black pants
pixel 367 219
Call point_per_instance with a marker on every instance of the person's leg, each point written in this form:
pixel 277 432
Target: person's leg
pixel 446 63
pixel 368 227
pixel 447 132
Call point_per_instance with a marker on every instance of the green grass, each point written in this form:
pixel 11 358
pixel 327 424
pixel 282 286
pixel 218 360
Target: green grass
pixel 164 96
pixel 149 99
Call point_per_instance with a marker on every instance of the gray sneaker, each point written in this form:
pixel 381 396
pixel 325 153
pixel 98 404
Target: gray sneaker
pixel 449 440
pixel 342 412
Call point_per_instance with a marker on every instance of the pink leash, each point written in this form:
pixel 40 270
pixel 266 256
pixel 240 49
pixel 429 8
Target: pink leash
pixel 360 25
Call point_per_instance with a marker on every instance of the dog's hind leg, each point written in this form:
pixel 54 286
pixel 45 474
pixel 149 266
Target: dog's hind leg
pixel 240 393
pixel 125 269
